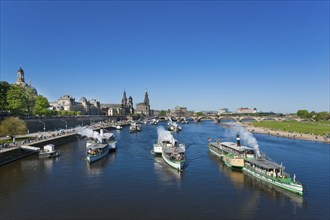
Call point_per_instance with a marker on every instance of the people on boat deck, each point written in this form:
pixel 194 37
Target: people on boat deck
pixel 177 157
pixel 93 152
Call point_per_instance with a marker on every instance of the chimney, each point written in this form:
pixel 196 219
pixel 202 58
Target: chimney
pixel 238 141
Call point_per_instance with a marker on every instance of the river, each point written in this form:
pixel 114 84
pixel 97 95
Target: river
pixel 132 183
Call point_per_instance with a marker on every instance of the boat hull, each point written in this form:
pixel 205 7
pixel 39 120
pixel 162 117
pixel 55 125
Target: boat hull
pixel 292 187
pixel 216 152
pixel 49 154
pixel 237 163
pixel 93 158
pixel 112 146
pixel 175 164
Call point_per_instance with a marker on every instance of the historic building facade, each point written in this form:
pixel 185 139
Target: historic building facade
pixel 246 110
pixel 84 106
pixel 143 108
pixel 125 108
pixel 179 111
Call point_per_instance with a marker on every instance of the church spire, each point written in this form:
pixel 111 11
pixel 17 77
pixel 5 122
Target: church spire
pixel 124 100
pixel 146 98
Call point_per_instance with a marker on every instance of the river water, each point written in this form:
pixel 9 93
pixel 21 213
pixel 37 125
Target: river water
pixel 133 184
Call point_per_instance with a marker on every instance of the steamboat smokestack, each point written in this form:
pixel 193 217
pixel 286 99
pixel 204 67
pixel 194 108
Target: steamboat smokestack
pixel 238 141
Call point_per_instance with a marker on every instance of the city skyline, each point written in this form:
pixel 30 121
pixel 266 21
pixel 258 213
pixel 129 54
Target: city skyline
pixel 273 56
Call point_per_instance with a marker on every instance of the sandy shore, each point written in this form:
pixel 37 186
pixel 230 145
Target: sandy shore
pixel 286 134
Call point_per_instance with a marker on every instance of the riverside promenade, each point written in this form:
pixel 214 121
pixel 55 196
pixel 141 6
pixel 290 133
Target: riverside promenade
pixel 13 151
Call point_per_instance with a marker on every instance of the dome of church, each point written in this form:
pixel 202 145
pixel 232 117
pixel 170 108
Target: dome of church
pixel 83 99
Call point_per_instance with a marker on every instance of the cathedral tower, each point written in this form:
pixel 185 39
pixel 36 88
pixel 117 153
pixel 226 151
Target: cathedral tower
pixel 124 100
pixel 130 105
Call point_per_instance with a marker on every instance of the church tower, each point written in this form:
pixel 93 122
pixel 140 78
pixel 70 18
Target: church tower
pixel 124 100
pixel 147 105
pixel 130 105
pixel 146 98
pixel 20 77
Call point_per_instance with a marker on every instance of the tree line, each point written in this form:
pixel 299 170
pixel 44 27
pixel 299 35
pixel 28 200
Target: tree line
pixel 23 101
pixel 317 116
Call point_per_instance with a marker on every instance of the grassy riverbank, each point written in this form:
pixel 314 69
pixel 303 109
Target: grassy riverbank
pixel 315 128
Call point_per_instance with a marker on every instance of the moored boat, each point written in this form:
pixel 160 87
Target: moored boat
pixel 134 127
pixel 273 173
pixel 232 154
pixel 49 151
pixel 154 121
pixel 173 126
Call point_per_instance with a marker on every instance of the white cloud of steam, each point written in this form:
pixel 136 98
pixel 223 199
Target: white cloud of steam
pixel 164 135
pixel 244 135
pixel 92 134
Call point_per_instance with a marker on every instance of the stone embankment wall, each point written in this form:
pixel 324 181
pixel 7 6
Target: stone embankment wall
pixel 12 155
pixel 18 153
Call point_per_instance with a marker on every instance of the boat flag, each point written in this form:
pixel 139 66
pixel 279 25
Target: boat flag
pixel 209 139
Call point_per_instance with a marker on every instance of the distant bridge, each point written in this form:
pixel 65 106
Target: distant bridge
pixel 218 119
pixel 234 118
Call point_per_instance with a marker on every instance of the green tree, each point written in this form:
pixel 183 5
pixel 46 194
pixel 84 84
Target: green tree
pixel 162 113
pixel 199 114
pixel 12 126
pixel 31 95
pixel 303 114
pixel 322 116
pixel 41 106
pixel 4 87
pixel 17 100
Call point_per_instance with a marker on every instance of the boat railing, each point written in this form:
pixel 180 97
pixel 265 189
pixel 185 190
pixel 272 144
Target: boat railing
pixel 259 171
pixel 283 177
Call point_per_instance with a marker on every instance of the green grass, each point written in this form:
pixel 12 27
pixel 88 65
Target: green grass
pixel 319 128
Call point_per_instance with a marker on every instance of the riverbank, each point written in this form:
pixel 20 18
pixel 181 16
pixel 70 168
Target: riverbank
pixel 287 134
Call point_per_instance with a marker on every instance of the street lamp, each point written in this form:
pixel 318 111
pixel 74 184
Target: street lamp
pixel 43 124
pixel 66 124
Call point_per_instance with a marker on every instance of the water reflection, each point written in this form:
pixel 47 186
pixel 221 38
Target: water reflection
pixel 165 173
pixel 273 192
pixel 41 164
pixel 235 176
pixel 96 168
pixel 240 180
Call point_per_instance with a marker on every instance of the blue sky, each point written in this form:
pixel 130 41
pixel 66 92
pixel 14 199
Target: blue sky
pixel 205 55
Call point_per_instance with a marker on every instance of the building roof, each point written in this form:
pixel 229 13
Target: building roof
pixel 111 106
pixel 264 163
pixel 141 104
